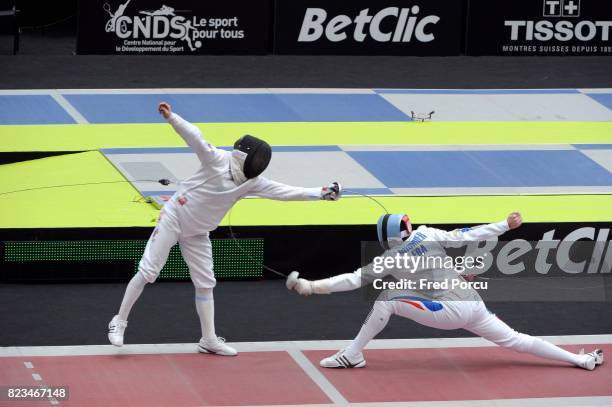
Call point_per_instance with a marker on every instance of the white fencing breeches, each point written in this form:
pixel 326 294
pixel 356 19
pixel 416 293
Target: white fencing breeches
pixel 196 250
pixel 470 315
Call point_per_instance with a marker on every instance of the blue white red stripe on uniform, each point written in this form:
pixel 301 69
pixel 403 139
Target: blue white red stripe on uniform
pixel 420 303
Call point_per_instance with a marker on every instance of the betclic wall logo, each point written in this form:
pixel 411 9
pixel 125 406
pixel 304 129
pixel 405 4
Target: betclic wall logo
pixel 560 30
pixel 405 25
pixel 166 29
pixel 364 27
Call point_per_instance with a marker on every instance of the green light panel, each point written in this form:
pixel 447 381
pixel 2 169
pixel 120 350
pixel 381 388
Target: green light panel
pixel 230 260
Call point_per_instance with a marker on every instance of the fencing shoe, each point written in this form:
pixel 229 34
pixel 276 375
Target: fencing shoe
pixel 116 328
pixel 216 346
pixel 343 360
pixel 592 359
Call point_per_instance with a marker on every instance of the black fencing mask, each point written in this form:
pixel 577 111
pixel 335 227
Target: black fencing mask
pixel 258 155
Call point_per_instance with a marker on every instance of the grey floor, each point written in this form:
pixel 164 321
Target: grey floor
pixel 77 314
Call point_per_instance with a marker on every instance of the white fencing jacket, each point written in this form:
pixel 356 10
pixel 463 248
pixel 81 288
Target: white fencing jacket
pixel 431 242
pixel 203 199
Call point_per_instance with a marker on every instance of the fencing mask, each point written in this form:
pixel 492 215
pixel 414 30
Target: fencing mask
pixel 255 156
pixel 393 229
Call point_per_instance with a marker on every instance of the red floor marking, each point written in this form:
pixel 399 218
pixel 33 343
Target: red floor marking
pixel 14 373
pixel 464 374
pixel 173 379
pixel 259 378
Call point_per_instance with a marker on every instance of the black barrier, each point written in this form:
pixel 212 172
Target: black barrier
pixel 364 27
pixel 173 27
pixel 286 248
pixel 539 27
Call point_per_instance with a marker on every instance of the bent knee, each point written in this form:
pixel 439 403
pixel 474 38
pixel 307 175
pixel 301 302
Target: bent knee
pixel 147 276
pixel 204 294
pixel 384 308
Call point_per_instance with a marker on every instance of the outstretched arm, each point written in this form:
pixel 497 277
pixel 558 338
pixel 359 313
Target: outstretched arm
pixel 358 279
pixel 190 133
pixel 460 237
pixel 341 282
pixel 266 188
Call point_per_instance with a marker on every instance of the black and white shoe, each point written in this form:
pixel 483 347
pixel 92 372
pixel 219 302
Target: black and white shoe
pixel 592 359
pixel 116 329
pixel 343 360
pixel 216 346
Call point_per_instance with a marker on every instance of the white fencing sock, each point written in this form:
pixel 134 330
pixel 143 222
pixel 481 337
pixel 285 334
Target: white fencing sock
pixel 205 306
pixel 547 350
pixel 375 322
pixel 132 292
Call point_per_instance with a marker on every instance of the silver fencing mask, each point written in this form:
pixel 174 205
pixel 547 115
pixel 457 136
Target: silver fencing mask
pixel 393 229
pixel 258 155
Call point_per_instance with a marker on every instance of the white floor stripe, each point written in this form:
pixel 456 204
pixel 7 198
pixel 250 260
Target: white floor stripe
pixel 322 90
pixel 67 106
pixel 16 92
pixel 317 377
pixel 601 157
pixel 382 90
pixel 297 405
pixel 456 147
pixel 596 90
pixel 147 91
pixel 223 90
pixel 526 402
pixel 36 377
pixel 85 350
pixel 463 191
pixel 28 365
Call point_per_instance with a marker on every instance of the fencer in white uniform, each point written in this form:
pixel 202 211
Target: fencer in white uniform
pixel 440 306
pixel 196 209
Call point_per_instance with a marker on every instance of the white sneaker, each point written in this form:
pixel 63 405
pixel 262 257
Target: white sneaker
pixel 116 328
pixel 216 346
pixel 593 359
pixel 343 360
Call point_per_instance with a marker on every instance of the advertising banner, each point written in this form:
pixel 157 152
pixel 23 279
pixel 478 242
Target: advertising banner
pixel 134 27
pixel 539 27
pixel 362 27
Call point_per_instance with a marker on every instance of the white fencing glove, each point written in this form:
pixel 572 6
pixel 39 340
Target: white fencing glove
pixel 332 192
pixel 301 285
pixel 306 287
pixel 292 280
